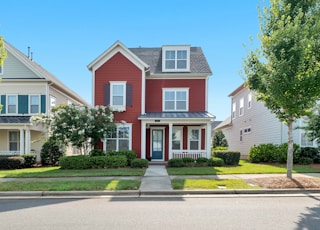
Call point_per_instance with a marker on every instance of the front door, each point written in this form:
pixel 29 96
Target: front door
pixel 157 144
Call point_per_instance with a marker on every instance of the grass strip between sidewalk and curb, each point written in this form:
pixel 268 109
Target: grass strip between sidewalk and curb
pixel 70 185
pixel 191 184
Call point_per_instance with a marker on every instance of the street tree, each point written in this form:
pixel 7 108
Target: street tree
pixel 81 126
pixel 3 56
pixel 285 72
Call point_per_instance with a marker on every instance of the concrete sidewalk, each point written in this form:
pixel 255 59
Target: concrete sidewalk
pixel 156 178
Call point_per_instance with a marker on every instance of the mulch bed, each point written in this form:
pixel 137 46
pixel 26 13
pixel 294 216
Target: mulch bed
pixel 284 182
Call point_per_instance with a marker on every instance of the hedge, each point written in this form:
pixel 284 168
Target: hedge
pixel 11 162
pixel 229 157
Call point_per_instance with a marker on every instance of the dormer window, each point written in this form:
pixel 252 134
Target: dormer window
pixel 175 58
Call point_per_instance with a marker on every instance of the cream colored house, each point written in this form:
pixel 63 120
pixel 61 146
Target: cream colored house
pixel 251 123
pixel 27 89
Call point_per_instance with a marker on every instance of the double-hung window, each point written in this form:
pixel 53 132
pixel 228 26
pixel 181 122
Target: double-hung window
pixel 34 104
pixel 12 104
pixel 175 58
pixel 194 138
pixel 175 100
pixel 14 141
pixel 177 138
pixel 118 95
pixel 249 101
pixel 119 138
pixel 241 107
pixel 305 140
pixel 233 110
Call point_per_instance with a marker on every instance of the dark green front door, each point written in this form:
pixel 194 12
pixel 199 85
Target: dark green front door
pixel 157 144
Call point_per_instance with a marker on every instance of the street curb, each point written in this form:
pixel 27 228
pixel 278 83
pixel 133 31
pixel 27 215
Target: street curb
pixel 138 193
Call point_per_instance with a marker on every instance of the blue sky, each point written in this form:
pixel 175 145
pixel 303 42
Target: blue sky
pixel 65 36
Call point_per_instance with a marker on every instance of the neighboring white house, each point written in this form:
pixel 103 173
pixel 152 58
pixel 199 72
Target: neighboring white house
pixel 27 89
pixel 251 123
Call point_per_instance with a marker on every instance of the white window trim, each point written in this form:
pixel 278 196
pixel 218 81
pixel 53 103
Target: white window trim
pixel 241 107
pixel 164 90
pixel 247 130
pixel 53 98
pixel 234 109
pixel 7 103
pixel 122 107
pixel 304 134
pixel 129 125
pixel 39 108
pixel 181 140
pixel 249 100
pixel 189 137
pixel 175 48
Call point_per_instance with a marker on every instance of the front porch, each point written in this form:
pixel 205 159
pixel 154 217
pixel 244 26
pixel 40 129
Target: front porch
pixel 165 136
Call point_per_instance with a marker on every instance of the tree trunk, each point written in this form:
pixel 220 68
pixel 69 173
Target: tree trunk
pixel 290 149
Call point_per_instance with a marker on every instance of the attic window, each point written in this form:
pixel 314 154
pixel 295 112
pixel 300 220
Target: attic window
pixel 175 58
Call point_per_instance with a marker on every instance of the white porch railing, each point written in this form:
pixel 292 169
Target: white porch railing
pixel 195 154
pixel 14 153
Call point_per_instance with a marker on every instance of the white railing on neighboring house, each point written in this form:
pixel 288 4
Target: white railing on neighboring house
pixel 195 154
pixel 14 153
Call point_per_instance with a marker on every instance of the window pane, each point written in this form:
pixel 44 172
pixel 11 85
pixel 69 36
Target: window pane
pixel 176 134
pixel 181 54
pixel 194 134
pixel 34 100
pixel 123 132
pixel 170 64
pixel 34 109
pixel 169 95
pixel 117 89
pixel 12 100
pixel 12 109
pixel 169 105
pixel 13 146
pixel 170 54
pixel 117 100
pixel 176 145
pixel 194 145
pixel 181 95
pixel 181 105
pixel 123 144
pixel 111 145
pixel 181 64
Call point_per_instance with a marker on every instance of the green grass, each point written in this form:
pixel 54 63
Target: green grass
pixel 244 167
pixel 70 185
pixel 210 184
pixel 47 172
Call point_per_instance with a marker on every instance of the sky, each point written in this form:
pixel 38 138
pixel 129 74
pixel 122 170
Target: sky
pixel 64 36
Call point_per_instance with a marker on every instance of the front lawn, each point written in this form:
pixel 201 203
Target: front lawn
pixel 210 184
pixel 244 167
pixel 86 185
pixel 47 172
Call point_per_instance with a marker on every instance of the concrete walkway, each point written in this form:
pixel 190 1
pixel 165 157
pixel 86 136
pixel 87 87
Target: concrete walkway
pixel 156 178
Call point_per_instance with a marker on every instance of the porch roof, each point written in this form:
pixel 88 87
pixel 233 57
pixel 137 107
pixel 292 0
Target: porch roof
pixel 14 119
pixel 177 115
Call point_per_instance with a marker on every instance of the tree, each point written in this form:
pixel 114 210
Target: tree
pixel 81 126
pixel 285 72
pixel 313 125
pixel 219 139
pixel 3 55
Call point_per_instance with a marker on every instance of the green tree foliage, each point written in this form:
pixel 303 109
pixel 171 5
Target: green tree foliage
pixel 81 126
pixel 313 125
pixel 3 55
pixel 219 139
pixel 285 71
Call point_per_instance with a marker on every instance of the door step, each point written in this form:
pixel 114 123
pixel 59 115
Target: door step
pixel 158 163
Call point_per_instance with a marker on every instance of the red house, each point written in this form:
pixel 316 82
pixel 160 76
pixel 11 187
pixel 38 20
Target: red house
pixel 161 99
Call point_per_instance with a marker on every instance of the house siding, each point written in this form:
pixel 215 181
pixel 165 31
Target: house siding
pixel 119 68
pixel 196 87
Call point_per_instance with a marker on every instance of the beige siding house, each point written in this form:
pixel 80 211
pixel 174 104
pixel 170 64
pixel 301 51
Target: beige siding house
pixel 27 89
pixel 251 123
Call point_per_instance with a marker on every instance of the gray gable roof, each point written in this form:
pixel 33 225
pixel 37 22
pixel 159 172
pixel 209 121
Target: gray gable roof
pixel 153 57
pixel 14 119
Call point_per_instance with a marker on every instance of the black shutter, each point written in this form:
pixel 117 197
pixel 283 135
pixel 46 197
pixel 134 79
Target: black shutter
pixel 43 104
pixel 23 104
pixel 129 94
pixel 3 102
pixel 107 94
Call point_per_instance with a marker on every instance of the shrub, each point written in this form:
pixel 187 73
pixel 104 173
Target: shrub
pixel 215 162
pixel 176 162
pixel 75 162
pixel 219 148
pixel 202 161
pixel 116 161
pixel 29 160
pixel 11 162
pixel 310 152
pixel 139 163
pixel 97 152
pixel 98 162
pixel 130 155
pixel 305 160
pixel 188 161
pixel 51 152
pixel 229 157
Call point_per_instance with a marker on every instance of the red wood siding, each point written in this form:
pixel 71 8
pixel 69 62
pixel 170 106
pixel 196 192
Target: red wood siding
pixel 197 93
pixel 119 68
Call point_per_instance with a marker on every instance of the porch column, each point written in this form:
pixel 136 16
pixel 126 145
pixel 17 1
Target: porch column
pixel 22 142
pixel 208 139
pixel 143 139
pixel 170 141
pixel 27 141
